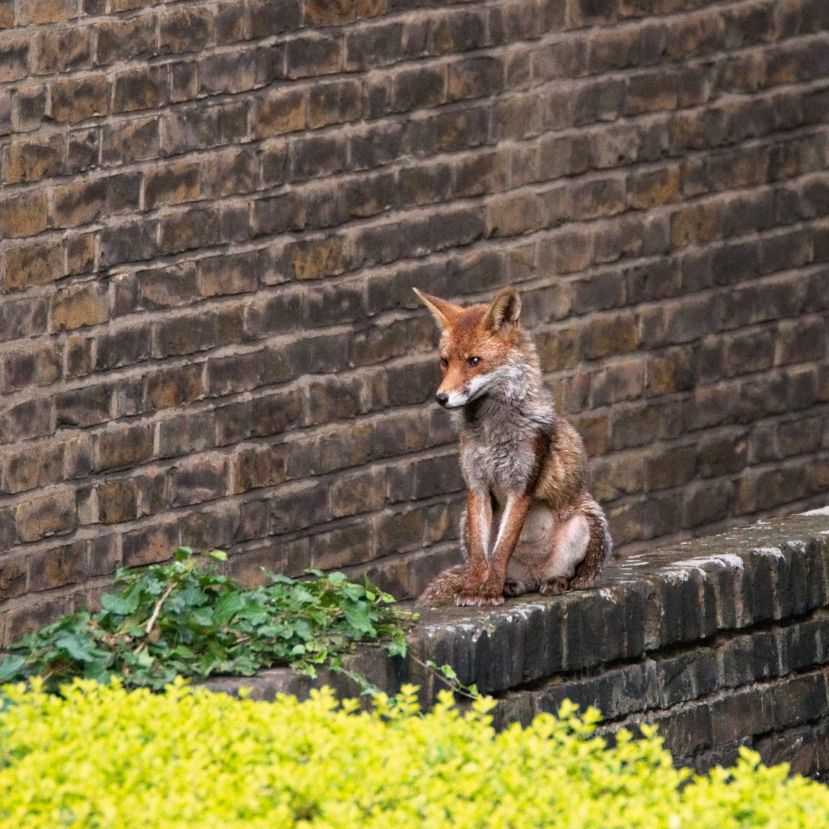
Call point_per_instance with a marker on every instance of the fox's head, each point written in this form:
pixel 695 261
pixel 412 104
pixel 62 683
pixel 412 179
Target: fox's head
pixel 478 345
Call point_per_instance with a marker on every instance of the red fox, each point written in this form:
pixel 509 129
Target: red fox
pixel 530 523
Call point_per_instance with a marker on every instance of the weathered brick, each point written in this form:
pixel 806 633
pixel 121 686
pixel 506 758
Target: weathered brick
pixel 173 387
pixel 23 215
pixel 38 466
pixel 334 103
pixel 121 447
pixel 37 366
pixel 186 29
pixel 314 55
pixel 279 112
pixel 33 160
pixel 75 99
pixel 32 264
pixel 140 89
pixel 79 306
pixel 199 480
pixel 52 514
pixel 132 140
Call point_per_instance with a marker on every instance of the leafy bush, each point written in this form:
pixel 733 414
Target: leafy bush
pixel 183 619
pixel 101 756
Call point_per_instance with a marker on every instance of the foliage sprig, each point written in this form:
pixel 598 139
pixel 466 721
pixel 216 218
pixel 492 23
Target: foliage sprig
pixel 186 619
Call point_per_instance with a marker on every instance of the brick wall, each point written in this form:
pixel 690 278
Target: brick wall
pixel 212 214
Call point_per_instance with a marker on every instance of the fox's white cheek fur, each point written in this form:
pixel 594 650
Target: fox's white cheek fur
pixel 478 384
pixel 457 399
pixel 473 388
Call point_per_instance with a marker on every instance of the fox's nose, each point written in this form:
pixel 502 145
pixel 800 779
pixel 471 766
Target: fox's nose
pixel 442 397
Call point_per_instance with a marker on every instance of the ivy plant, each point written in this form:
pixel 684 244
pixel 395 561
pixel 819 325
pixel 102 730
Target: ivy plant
pixel 183 618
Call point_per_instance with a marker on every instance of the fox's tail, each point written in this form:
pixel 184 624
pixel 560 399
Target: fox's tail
pixel 599 547
pixel 444 587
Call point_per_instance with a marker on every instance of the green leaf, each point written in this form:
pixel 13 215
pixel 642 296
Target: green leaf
pixel 76 647
pixel 121 603
pixel 11 667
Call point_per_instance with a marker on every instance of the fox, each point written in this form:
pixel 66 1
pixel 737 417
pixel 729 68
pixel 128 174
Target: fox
pixel 530 523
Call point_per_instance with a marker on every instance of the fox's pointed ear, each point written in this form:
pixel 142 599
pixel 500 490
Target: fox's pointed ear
pixel 445 313
pixel 504 310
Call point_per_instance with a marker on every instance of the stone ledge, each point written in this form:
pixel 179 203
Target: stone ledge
pixel 715 639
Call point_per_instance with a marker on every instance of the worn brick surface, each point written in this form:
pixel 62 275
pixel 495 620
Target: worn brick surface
pixel 212 215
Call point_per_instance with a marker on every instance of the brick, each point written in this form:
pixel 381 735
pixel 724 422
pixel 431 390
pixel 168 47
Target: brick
pixel 256 467
pixel 173 184
pixel 84 406
pixel 123 447
pixel 622 381
pixel 63 50
pixel 673 467
pixel 117 501
pixel 32 264
pixel 38 466
pixel 334 103
pixel 418 88
pixel 174 387
pixel 38 366
pixel 273 17
pixel 798 341
pixel 374 46
pixel 75 99
pixel 78 203
pixel 186 29
pixel 611 335
pixel 459 32
pixel 13 573
pixel 227 73
pixel 79 306
pixel 47 11
pixel 315 258
pixel 33 160
pixel 279 112
pixel 126 39
pixel 23 215
pixel 232 23
pixel 140 89
pixel 150 544
pixel 312 56
pixel 189 229
pixel 49 515
pixel 127 141
pixel 14 59
pixel 31 418
pixel 199 480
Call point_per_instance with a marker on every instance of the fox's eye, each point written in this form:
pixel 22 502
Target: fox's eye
pixel 473 361
pixel 444 362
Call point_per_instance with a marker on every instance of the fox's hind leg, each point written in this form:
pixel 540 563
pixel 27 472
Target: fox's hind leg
pixel 570 543
pixel 581 545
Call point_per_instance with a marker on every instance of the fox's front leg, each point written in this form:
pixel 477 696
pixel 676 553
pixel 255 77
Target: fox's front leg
pixel 491 590
pixel 478 523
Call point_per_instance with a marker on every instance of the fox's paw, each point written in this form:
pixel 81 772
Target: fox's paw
pixel 479 598
pixel 514 587
pixel 555 586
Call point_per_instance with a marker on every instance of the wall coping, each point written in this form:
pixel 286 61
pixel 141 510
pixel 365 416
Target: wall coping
pixel 771 571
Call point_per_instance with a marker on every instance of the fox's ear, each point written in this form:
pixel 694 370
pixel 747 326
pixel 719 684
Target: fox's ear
pixel 505 309
pixel 445 313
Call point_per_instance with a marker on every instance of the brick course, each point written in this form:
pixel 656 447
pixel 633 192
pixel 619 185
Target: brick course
pixel 212 215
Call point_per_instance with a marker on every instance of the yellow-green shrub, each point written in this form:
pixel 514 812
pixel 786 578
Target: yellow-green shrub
pixel 101 756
